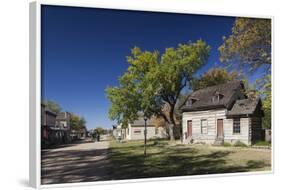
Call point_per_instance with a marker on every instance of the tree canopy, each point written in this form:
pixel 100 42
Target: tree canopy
pixel 153 81
pixel 77 122
pixel 52 106
pixel 99 130
pixel 249 44
pixel 214 77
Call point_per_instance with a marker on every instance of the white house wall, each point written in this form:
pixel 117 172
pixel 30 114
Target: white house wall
pixel 131 135
pixel 212 116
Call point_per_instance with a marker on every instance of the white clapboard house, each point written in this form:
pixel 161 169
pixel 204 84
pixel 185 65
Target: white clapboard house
pixel 221 113
pixel 135 130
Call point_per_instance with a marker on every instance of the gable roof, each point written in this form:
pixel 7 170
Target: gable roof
pixel 140 122
pixel 203 98
pixel 244 107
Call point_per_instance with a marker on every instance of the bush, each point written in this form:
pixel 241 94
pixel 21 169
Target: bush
pixel 226 144
pixel 262 143
pixel 240 144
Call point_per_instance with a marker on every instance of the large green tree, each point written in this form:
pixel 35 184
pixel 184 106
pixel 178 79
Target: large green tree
pixel 77 122
pixel 249 44
pixel 214 77
pixel 155 81
pixel 263 87
pixel 100 130
pixel 82 122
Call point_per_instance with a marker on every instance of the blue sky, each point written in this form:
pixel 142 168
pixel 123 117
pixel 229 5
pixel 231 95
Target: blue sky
pixel 84 51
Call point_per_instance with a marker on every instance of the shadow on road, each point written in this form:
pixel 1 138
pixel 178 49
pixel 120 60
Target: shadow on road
pixel 84 161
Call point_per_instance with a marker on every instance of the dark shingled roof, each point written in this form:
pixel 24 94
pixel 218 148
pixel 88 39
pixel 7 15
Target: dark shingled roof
pixel 203 98
pixel 244 107
pixel 140 121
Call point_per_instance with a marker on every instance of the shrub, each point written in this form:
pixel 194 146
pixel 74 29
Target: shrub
pixel 240 144
pixel 226 144
pixel 262 143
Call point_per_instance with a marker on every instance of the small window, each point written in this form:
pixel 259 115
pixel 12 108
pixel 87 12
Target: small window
pixel 236 125
pixel 191 101
pixel 217 97
pixel 204 125
pixel 137 131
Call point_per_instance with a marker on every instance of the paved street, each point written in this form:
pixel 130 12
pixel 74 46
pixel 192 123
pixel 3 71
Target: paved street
pixel 83 161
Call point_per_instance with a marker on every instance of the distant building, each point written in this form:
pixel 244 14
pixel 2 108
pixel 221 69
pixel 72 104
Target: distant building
pixel 135 130
pixel 79 134
pixel 63 123
pixel 114 131
pixel 48 127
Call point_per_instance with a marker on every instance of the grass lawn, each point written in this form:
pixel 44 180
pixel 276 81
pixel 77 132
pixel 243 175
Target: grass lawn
pixel 166 159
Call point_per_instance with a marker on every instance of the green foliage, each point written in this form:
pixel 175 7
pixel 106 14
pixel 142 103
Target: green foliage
pixel 239 144
pixel 226 144
pixel 249 44
pixel 153 81
pixel 264 89
pixel 77 123
pixel 82 122
pixel 52 106
pixel 214 77
pixel 99 130
pixel 262 143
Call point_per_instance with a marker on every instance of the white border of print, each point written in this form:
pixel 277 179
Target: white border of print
pixel 35 89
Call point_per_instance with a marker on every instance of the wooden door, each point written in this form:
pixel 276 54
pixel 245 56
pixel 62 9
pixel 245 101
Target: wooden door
pixel 220 128
pixel 189 128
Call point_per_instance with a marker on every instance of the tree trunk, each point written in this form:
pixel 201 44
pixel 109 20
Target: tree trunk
pixel 172 125
pixel 171 131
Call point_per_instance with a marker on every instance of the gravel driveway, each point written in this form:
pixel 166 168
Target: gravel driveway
pixel 84 161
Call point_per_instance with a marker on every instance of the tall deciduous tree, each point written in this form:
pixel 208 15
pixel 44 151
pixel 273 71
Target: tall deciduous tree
pixel 82 122
pixel 100 130
pixel 214 77
pixel 264 89
pixel 249 44
pixel 154 82
pixel 75 122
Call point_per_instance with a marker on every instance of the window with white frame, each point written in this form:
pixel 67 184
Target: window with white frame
pixel 236 125
pixel 204 126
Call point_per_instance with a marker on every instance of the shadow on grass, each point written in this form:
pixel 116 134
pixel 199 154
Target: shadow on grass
pixel 128 162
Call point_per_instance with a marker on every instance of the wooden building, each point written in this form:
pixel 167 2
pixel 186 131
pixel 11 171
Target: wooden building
pixel 222 113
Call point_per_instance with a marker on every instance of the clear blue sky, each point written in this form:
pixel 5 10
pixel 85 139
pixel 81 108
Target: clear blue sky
pixel 84 51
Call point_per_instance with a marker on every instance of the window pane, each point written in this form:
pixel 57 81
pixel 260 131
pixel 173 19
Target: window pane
pixel 236 125
pixel 204 124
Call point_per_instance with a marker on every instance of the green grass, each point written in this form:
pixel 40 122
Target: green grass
pixel 165 159
pixel 262 143
pixel 240 144
pixel 226 144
